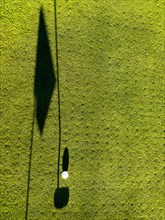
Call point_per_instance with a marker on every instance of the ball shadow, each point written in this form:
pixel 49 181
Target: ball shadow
pixel 65 163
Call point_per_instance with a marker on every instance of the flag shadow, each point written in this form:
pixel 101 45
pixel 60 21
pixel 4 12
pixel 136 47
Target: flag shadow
pixel 44 75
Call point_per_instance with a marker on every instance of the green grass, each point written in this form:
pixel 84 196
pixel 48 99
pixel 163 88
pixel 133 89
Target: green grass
pixel 111 84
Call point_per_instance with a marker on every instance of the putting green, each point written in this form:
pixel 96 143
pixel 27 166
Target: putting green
pixel 110 55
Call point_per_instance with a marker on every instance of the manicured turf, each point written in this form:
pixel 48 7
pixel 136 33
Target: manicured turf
pixel 111 88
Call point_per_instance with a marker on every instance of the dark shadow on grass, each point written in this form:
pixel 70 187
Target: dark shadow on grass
pixel 44 75
pixel 65 163
pixel 61 197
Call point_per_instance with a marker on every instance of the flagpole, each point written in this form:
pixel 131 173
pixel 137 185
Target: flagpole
pixel 58 93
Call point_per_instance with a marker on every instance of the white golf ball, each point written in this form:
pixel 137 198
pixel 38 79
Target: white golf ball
pixel 65 175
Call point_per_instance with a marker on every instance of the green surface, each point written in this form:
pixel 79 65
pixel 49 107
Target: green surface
pixel 111 84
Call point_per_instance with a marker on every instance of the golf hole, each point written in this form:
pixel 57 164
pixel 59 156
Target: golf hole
pixel 61 197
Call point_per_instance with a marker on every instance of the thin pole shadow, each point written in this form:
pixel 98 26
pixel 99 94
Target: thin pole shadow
pixel 59 99
pixel 61 195
pixel 30 162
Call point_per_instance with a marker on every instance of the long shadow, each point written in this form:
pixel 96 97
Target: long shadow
pixel 30 161
pixel 44 85
pixel 44 75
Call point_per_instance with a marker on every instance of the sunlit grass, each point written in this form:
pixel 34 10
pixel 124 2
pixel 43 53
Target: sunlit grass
pixel 111 87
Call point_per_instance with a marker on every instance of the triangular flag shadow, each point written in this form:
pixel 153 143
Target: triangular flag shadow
pixel 44 75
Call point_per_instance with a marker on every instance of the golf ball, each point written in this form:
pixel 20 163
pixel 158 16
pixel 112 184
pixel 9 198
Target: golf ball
pixel 65 175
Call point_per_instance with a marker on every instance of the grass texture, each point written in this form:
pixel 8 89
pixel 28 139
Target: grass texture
pixel 111 89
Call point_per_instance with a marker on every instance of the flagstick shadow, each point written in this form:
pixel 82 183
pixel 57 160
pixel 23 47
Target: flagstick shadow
pixel 61 195
pixel 30 163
